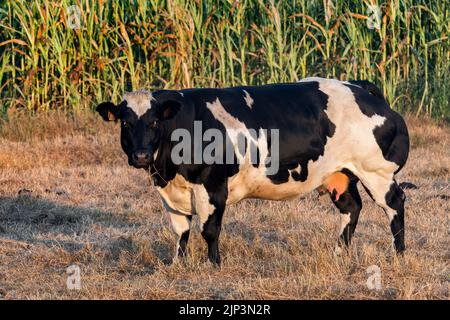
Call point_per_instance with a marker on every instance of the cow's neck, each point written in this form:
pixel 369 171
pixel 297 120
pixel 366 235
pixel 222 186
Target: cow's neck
pixel 163 170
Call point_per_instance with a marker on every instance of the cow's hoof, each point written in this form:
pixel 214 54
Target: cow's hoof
pixel 215 263
pixel 340 249
pixel 398 247
pixel 337 251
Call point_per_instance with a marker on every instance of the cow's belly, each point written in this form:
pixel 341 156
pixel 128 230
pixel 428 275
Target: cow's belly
pixel 249 182
pixel 252 183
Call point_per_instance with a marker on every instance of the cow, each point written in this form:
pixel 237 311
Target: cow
pixel 331 135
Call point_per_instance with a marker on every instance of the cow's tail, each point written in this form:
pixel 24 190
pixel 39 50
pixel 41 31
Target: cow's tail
pixel 369 86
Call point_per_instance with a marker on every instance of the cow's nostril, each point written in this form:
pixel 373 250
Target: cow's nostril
pixel 141 156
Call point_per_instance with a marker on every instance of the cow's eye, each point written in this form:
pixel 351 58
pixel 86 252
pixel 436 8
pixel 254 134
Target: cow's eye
pixel 126 124
pixel 154 124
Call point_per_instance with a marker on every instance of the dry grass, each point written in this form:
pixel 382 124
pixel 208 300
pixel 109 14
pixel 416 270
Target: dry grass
pixel 67 196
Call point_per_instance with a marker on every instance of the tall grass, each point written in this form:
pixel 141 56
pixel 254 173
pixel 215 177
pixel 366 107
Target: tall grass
pixel 123 45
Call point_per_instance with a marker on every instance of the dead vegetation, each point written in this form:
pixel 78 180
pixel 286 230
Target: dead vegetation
pixel 67 196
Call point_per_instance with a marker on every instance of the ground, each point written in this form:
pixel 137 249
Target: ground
pixel 68 197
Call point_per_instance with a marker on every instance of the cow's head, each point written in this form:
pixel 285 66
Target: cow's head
pixel 141 118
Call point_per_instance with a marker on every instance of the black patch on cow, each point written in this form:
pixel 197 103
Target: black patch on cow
pixel 349 202
pixel 368 103
pixel 296 176
pixel 215 183
pixel 304 130
pixel 398 151
pixel 407 185
pixel 395 198
pixel 182 242
pixel 369 86
pixel 350 175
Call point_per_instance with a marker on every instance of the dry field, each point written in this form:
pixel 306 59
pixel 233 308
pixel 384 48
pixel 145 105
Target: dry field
pixel 67 196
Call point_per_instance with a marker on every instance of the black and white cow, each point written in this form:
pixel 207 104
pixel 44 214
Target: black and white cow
pixel 332 134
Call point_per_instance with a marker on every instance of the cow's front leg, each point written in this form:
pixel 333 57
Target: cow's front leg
pixel 210 207
pixel 181 224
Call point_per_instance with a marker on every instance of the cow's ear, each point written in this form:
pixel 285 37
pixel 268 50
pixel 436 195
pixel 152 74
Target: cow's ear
pixel 108 110
pixel 170 108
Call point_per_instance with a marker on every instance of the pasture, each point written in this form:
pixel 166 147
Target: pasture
pixel 68 197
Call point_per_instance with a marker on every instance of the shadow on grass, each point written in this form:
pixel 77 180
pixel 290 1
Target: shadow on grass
pixel 37 221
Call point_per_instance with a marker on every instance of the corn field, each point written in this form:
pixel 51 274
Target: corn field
pixel 72 54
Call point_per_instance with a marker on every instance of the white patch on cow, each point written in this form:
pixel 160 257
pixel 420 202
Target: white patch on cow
pixel 311 79
pixel 180 223
pixel 379 184
pixel 185 198
pixel 353 144
pixel 345 220
pixel 233 126
pixel 181 94
pixel 337 251
pixel 391 213
pixel 139 101
pixel 248 99
pixel 177 194
pixel 223 116
pixel 200 199
pixel 181 198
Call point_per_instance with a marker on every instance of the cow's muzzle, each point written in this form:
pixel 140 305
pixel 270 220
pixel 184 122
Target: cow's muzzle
pixel 141 159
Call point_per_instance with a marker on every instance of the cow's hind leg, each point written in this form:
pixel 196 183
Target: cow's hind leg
pixel 395 199
pixel 210 232
pixel 389 196
pixel 349 205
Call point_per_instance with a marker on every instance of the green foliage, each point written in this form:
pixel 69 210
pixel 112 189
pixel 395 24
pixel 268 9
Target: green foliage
pixel 128 44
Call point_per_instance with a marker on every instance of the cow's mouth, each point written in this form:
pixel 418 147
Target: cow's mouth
pixel 140 165
pixel 140 160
